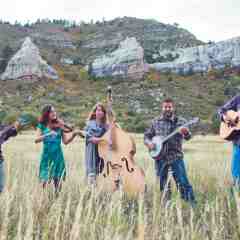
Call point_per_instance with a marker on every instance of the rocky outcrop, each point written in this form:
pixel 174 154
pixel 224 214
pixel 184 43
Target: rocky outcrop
pixel 126 61
pixel 202 58
pixel 27 63
pixel 101 38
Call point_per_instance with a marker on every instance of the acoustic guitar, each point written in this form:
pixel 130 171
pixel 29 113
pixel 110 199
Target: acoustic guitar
pixel 158 141
pixel 230 129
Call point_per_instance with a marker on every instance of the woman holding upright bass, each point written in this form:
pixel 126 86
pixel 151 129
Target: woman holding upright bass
pixel 96 126
pixel 110 153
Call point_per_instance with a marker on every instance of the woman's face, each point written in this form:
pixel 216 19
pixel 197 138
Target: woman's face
pixel 99 113
pixel 52 114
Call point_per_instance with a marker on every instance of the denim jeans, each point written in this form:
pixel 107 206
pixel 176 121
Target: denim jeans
pixel 2 176
pixel 180 176
pixel 236 164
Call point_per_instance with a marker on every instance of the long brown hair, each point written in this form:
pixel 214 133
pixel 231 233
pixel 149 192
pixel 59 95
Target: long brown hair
pixel 92 114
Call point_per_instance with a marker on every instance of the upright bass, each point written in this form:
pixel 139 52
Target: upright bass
pixel 117 149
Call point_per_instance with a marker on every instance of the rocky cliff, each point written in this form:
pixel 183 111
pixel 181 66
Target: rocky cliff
pixel 27 63
pixel 127 61
pixel 202 58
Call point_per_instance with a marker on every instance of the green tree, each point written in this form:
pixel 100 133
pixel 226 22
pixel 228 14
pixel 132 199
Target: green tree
pixel 6 55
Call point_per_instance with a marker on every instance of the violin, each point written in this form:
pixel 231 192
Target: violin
pixel 59 123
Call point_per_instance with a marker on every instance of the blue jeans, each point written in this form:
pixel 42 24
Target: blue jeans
pixel 236 164
pixel 180 176
pixel 2 176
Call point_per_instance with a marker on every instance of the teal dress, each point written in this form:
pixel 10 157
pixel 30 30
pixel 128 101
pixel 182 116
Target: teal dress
pixel 52 164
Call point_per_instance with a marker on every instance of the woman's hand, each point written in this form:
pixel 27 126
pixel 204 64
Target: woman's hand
pixel 41 137
pixel 51 133
pixel 95 140
pixel 79 133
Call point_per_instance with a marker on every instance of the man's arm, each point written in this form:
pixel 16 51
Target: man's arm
pixel 7 132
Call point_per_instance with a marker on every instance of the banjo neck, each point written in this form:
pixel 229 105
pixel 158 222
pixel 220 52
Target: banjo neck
pixel 170 135
pixel 194 120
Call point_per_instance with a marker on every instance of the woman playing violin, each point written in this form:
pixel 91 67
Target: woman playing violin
pixel 96 126
pixel 52 131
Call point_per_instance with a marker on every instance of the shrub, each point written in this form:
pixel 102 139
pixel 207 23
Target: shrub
pixel 72 76
pixel 83 74
pixel 2 116
pixel 215 123
pixel 10 118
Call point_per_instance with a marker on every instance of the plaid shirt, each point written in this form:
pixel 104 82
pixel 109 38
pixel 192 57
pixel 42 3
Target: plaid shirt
pixel 5 135
pixel 172 149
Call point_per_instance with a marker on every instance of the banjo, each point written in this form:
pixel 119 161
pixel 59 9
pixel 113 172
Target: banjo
pixel 158 141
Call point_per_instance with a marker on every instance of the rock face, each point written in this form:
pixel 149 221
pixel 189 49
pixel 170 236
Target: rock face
pixel 104 37
pixel 27 63
pixel 202 58
pixel 126 61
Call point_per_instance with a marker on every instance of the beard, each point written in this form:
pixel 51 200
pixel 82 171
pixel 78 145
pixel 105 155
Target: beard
pixel 168 114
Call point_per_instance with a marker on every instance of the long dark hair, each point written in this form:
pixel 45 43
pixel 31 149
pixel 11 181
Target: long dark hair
pixel 44 118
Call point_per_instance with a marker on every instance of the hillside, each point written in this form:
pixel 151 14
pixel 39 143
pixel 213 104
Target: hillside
pixel 136 101
pixel 86 41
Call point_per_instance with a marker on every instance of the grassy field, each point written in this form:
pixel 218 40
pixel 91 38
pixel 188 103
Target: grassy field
pixel 27 212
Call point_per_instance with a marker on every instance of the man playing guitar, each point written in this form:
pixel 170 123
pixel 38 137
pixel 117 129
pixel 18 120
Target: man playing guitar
pixel 171 155
pixel 234 105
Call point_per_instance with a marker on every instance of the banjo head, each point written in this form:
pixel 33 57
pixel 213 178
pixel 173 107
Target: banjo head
pixel 157 140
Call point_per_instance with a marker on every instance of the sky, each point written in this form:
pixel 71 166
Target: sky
pixel 213 20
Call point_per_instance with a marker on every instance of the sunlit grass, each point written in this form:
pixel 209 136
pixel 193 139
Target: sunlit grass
pixel 27 212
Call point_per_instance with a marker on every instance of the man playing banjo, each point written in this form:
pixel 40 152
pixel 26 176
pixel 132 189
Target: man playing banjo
pixel 171 154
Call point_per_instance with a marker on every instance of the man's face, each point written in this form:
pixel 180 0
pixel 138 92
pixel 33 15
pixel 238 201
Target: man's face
pixel 167 109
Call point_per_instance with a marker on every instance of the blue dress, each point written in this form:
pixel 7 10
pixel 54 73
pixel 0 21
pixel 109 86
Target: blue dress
pixel 52 164
pixel 93 162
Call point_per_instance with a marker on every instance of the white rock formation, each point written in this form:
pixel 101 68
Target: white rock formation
pixel 26 63
pixel 127 61
pixel 201 58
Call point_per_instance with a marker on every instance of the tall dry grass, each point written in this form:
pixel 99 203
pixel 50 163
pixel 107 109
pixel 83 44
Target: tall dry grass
pixel 28 212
